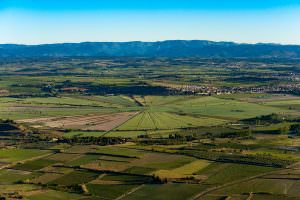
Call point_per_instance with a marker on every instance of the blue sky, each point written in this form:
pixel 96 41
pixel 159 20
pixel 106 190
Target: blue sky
pixel 55 21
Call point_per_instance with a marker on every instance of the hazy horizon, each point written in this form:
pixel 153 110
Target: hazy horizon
pixel 144 41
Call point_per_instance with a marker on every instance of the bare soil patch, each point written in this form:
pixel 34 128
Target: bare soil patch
pixel 104 122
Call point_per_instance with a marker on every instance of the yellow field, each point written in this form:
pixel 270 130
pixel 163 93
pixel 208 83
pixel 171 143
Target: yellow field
pixel 183 171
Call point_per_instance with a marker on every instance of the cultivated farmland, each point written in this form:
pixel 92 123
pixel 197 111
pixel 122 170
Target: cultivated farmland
pixel 89 122
pixel 162 120
pixel 137 128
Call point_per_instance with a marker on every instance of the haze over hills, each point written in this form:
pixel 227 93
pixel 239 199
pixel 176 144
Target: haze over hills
pixel 170 48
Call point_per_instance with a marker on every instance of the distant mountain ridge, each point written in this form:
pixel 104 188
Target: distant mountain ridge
pixel 169 48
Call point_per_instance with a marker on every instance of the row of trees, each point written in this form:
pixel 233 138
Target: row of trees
pixel 260 160
pixel 93 140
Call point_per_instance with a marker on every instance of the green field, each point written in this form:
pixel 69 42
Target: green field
pixel 76 177
pixel 35 165
pixel 227 109
pixel 109 192
pixel 11 176
pixel 161 120
pixel 167 191
pixel 117 151
pixel 223 173
pixel 14 155
pixel 125 134
pixel 84 159
pixel 50 195
pixel 271 186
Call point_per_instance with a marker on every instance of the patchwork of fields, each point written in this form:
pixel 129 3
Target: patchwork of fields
pixel 123 116
pixel 120 172
pixel 157 128
pixel 117 169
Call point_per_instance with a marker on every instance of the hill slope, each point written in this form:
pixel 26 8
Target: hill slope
pixel 171 48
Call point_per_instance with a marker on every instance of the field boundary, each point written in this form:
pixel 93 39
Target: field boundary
pixel 105 133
